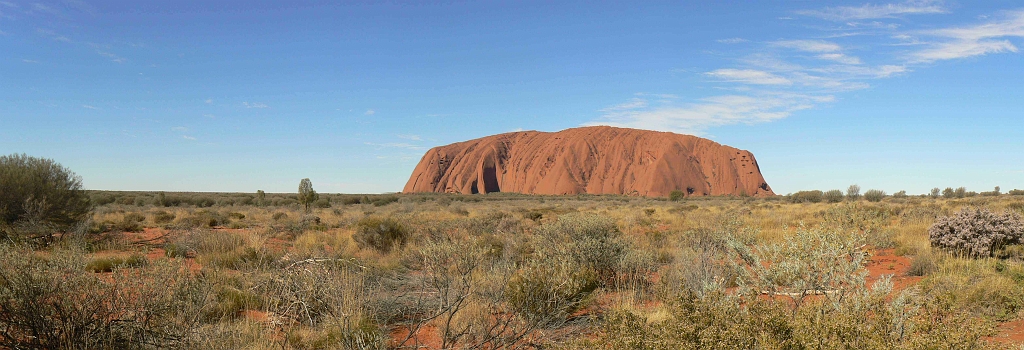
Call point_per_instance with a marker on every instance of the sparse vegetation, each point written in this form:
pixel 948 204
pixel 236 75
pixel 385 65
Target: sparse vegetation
pixel 511 271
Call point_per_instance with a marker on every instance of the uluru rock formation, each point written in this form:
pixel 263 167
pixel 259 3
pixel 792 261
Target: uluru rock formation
pixel 594 160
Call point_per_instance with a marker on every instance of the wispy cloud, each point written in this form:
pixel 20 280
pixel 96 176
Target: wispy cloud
pixel 190 138
pixel 255 105
pixel 981 39
pixel 732 40
pixel 179 129
pixel 53 35
pixel 410 137
pixel 809 45
pixel 369 112
pixel 112 57
pixel 209 101
pixel 786 76
pixel 748 76
pixel 871 11
pixel 710 112
pixel 408 146
pixel 29 61
pixel 90 107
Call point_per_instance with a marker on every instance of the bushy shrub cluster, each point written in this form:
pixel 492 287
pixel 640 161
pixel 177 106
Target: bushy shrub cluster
pixel 874 195
pixel 833 196
pixel 807 197
pixel 39 195
pixel 976 232
pixel 55 303
pixel 380 233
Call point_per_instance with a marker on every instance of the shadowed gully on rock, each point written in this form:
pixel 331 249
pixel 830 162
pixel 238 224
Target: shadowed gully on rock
pixel 592 160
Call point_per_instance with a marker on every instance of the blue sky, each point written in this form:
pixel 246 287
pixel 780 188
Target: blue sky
pixel 240 96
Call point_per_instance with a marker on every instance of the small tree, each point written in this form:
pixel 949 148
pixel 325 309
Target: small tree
pixel 961 192
pixel 853 193
pixel 676 195
pixel 948 193
pixel 307 196
pixel 260 197
pixel 39 196
pixel 834 196
pixel 935 192
pixel 874 195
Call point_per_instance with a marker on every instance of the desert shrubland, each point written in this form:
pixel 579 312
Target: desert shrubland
pixel 511 271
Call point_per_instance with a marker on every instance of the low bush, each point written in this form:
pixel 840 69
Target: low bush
pixel 976 232
pixel 162 217
pixel 108 264
pixel 807 197
pixel 833 196
pixel 676 195
pixel 874 195
pixel 380 233
pixel 39 193
pixel 54 303
pixel 923 264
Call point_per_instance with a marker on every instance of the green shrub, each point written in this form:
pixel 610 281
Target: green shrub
pixel 380 201
pixel 976 232
pixel 874 195
pixel 1016 192
pixel 922 265
pixel 548 293
pixel 676 195
pixel 900 194
pixel 108 264
pixel 131 222
pixel 807 197
pixel 588 241
pixel 833 196
pixel 40 192
pixel 381 234
pixel 162 217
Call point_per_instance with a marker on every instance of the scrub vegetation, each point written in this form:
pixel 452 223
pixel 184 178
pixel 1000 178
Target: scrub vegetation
pixel 268 271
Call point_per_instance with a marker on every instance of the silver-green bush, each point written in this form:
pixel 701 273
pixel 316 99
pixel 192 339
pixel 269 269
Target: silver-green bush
pixel 976 232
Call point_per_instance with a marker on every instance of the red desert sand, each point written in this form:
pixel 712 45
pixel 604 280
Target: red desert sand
pixel 591 160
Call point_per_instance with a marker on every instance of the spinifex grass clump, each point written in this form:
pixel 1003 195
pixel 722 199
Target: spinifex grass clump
pixel 976 232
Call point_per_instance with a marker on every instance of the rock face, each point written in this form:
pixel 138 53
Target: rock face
pixel 594 160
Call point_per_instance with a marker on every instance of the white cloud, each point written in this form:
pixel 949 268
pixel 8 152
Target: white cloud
pixel 733 40
pixel 29 61
pixel 809 45
pixel 369 112
pixel 209 101
pixel 211 116
pixel 981 39
pixel 748 76
pixel 408 146
pixel 712 111
pixel 410 137
pixel 255 105
pixel 190 138
pixel 841 58
pixel 112 57
pixel 179 128
pixel 90 107
pixel 871 11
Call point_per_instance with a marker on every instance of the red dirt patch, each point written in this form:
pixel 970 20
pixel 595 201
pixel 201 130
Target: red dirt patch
pixel 884 262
